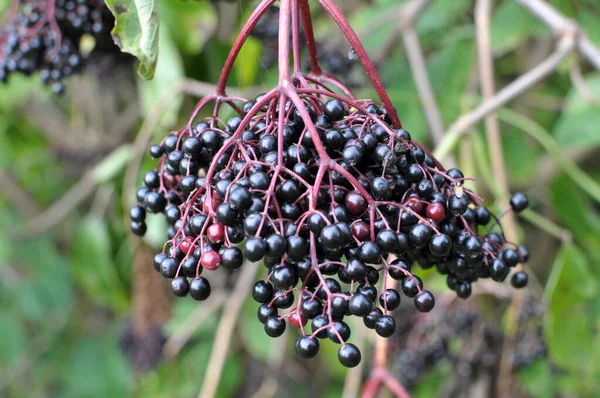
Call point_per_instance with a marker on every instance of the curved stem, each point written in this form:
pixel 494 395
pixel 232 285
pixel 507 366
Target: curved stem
pixel 239 43
pixel 354 41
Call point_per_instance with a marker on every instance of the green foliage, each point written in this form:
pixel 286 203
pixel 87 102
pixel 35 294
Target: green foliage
pixel 578 124
pixel 136 31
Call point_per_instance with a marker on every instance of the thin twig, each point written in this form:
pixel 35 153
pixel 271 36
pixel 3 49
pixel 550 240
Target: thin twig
pixel 506 94
pixel 73 197
pixel 15 194
pixel 483 13
pixel 189 326
pixel 559 24
pixel 414 53
pixel 353 380
pixel 579 83
pixel 224 331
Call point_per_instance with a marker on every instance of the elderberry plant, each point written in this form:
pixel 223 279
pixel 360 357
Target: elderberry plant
pixel 44 36
pixel 328 191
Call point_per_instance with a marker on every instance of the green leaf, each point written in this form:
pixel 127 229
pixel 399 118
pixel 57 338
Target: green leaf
pixel 512 26
pixel 93 267
pixel 536 379
pixel 568 327
pixel 578 125
pixel 136 31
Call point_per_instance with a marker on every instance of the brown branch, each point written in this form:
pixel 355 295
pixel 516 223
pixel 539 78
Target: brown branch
pixel 224 331
pixel 15 194
pixel 559 24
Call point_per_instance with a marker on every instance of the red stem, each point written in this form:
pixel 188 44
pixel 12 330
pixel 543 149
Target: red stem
pixel 239 43
pixel 309 35
pixel 354 41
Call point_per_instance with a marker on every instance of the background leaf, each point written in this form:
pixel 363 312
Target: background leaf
pixel 136 31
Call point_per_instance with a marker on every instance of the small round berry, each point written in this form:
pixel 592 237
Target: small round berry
pixel 463 290
pixel 385 326
pixel 436 211
pixel 216 233
pixel 411 285
pixel 334 110
pixel 369 252
pixel 168 267
pixel 306 347
pixel 420 235
pixel 262 292
pixel 457 205
pixel 211 260
pixel 519 202
pixel 390 299
pixel 186 245
pixel 255 249
pixel 311 308
pixel 274 326
pixel 180 286
pixel 156 151
pixel 424 301
pixel 372 318
pixel 200 289
pixel 360 305
pixel 137 214
pixel 265 312
pixel 355 203
pixel 498 270
pixel 331 237
pixel 297 320
pixel 349 355
pixel 339 330
pixel 138 228
pixel 440 245
pixel 511 257
pixel 519 280
pixel 231 258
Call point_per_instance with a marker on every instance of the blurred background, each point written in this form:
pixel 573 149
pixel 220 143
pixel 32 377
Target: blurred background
pixel 82 313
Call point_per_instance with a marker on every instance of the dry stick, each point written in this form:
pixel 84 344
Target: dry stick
pixel 224 331
pixel 277 352
pixel 189 326
pixel 578 82
pixel 353 380
pixel 559 24
pixel 519 86
pixel 15 194
pixel 414 53
pixel 483 12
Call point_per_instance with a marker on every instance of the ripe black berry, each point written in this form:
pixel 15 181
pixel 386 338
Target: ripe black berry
pixel 424 301
pixel 519 202
pixel 519 279
pixel 385 326
pixel 274 326
pixel 180 286
pixel 349 355
pixel 199 288
pixel 306 347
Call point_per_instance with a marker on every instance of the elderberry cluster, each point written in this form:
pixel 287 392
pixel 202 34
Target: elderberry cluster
pixel 337 205
pixel 45 36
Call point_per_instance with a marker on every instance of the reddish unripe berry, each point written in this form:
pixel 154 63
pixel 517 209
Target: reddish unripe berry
pixel 211 260
pixel 436 211
pixel 414 203
pixel 360 230
pixel 355 203
pixel 216 233
pixel 186 244
pixel 297 320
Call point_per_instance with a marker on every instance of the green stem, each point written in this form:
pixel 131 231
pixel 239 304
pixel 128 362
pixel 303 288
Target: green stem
pixel 547 225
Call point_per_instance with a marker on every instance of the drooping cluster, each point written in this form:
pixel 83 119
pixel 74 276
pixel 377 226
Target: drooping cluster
pixel 45 35
pixel 338 205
